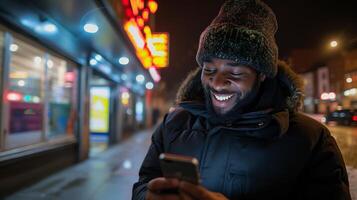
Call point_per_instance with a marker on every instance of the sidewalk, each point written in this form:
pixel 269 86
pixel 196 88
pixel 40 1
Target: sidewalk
pixel 109 175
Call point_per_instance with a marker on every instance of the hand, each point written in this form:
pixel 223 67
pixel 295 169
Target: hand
pixel 199 193
pixel 157 185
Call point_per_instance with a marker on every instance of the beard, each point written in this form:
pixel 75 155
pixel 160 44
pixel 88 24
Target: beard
pixel 244 100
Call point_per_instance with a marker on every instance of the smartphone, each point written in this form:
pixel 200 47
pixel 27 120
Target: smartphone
pixel 181 167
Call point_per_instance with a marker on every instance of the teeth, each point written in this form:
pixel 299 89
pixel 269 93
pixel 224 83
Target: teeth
pixel 223 97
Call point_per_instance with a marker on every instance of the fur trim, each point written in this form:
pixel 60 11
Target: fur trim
pixel 191 88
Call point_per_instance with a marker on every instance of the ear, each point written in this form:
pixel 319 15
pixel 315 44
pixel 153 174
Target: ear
pixel 262 77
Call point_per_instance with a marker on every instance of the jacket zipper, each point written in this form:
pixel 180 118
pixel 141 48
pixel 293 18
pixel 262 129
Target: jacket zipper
pixel 205 148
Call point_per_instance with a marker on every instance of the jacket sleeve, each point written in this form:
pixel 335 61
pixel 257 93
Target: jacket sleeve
pixel 326 173
pixel 150 167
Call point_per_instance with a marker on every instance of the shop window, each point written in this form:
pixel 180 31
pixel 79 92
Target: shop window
pixel 40 96
pixel 61 95
pixel 24 95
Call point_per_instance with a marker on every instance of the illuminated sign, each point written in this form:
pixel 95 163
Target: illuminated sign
pixel 154 74
pixel 158 45
pixel 99 109
pixel 152 49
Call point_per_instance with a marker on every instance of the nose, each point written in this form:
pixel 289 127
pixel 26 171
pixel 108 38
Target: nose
pixel 219 82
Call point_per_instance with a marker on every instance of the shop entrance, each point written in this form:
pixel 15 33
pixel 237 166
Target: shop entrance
pixel 100 106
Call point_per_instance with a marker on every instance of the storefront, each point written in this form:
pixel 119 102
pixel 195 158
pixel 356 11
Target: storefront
pixel 61 87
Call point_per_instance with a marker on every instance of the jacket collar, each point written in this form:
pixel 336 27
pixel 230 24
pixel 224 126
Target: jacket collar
pixel 260 124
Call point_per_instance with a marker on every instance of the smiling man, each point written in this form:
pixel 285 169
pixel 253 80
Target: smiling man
pixel 238 115
pixel 229 84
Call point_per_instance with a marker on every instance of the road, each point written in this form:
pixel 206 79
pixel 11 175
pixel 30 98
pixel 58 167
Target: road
pixel 346 138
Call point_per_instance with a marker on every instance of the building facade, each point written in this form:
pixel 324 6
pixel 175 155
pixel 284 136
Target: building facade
pixel 70 78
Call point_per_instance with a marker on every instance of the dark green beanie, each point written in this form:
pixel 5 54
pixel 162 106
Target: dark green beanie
pixel 243 32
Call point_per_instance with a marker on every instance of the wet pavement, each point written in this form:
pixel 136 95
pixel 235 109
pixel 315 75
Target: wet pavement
pixel 346 138
pixel 111 174
pixel 108 175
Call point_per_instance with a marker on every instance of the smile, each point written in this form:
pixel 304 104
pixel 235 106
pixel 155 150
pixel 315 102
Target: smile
pixel 222 97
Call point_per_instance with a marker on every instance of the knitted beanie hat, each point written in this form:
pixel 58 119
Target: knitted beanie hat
pixel 243 32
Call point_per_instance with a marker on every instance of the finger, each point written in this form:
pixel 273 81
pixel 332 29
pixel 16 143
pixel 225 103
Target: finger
pixel 162 183
pixel 185 196
pixel 196 191
pixel 154 196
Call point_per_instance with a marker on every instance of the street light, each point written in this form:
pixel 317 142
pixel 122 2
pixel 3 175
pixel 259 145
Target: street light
pixel 333 44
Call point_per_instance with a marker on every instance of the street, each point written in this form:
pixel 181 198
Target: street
pixel 346 137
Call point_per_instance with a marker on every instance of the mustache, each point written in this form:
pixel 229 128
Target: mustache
pixel 209 89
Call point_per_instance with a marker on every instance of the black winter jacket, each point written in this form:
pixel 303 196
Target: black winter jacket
pixel 269 152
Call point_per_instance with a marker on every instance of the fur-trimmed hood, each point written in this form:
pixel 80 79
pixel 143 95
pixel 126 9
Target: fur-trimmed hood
pixel 192 90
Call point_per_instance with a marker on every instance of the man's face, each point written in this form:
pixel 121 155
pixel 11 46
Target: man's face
pixel 227 83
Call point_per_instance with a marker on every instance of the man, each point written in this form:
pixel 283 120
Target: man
pixel 237 114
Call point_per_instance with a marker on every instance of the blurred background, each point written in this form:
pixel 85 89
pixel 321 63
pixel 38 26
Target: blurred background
pixel 83 84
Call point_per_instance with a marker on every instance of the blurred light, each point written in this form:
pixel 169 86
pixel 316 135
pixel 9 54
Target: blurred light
pixel 125 95
pixel 37 60
pixel 154 74
pixel 158 45
pixel 323 120
pixel 134 7
pixel 333 44
pixel 125 2
pixel 116 77
pixel 106 69
pixel 98 57
pixel 124 60
pixel 14 47
pixel 134 34
pixel 18 75
pixel 93 62
pixel 68 85
pixel 324 96
pixel 152 6
pixel 124 77
pixel 36 99
pixel 141 4
pixel 49 27
pixel 349 80
pixel 350 92
pixel 90 28
pixel 149 85
pixel 127 164
pixel 21 83
pixel 332 96
pixel 139 110
pixel 147 31
pixel 145 14
pixel 27 98
pixel 140 22
pixel 13 96
pixel 354 118
pixel 69 77
pixel 125 98
pixel 140 78
pixel 50 64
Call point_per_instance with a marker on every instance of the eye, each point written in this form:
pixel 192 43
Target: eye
pixel 209 71
pixel 238 74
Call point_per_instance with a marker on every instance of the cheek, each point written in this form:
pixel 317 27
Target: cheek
pixel 204 80
pixel 242 86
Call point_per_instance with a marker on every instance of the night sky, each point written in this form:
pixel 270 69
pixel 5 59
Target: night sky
pixel 302 24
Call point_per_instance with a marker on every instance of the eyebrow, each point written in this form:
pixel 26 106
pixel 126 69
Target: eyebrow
pixel 233 64
pixel 207 60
